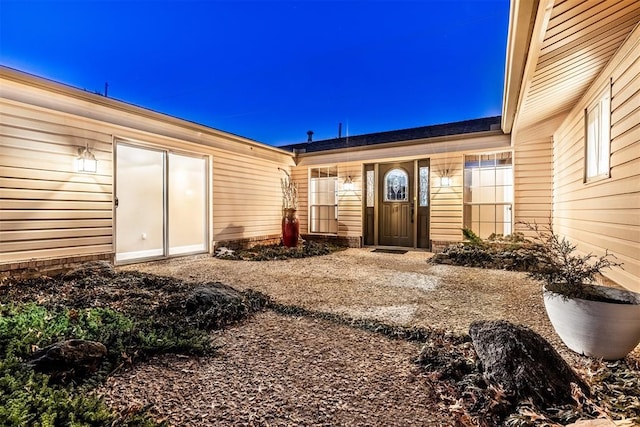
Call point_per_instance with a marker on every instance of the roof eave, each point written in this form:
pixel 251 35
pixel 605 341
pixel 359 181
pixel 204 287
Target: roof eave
pixel 522 17
pixel 401 143
pixel 64 89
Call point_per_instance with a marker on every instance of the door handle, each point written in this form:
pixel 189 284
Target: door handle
pixel 115 202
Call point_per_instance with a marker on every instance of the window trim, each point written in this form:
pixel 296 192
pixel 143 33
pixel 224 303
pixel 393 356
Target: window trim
pixel 311 205
pixel 602 100
pixel 467 205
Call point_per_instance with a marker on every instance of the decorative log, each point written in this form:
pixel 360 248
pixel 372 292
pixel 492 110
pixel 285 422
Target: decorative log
pixel 523 364
pixel 69 359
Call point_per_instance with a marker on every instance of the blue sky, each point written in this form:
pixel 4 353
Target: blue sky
pixel 271 70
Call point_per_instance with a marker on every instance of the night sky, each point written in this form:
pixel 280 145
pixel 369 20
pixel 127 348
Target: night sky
pixel 271 70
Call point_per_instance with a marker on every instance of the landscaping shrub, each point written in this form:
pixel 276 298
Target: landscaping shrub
pixel 29 397
pixel 512 252
pixel 134 315
pixel 279 252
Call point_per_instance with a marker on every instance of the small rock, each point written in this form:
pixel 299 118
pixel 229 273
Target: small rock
pixel 214 294
pixel 592 423
pixel 523 363
pixel 224 252
pixel 93 268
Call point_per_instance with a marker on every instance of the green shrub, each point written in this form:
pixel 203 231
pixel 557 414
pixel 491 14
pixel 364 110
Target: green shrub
pixel 29 397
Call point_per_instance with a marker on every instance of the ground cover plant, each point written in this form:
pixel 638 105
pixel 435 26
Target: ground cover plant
pixel 512 252
pixel 134 315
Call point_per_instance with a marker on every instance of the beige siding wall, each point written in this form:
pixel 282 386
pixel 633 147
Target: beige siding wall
pixel 605 214
pixel 300 175
pixel 247 197
pixel 47 210
pixel 446 202
pixel 533 181
pixel 350 201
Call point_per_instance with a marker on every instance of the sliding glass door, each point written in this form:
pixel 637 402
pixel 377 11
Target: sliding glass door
pixel 161 203
pixel 187 204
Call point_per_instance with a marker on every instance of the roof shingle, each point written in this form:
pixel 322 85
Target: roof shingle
pixel 433 131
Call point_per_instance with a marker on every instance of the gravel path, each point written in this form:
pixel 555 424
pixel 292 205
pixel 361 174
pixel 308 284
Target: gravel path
pixel 402 289
pixel 276 370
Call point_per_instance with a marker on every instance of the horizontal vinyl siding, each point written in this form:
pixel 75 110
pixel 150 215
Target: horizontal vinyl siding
pixel 247 197
pixel 350 202
pixel 46 209
pixel 49 211
pixel 446 202
pixel 533 182
pixel 605 214
pixel 300 175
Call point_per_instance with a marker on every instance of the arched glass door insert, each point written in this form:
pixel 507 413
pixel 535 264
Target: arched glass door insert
pixel 396 186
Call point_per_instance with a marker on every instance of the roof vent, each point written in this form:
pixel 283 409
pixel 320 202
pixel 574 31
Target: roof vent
pixel 310 136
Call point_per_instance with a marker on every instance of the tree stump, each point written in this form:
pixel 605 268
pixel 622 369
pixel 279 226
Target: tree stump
pixel 523 363
pixel 69 359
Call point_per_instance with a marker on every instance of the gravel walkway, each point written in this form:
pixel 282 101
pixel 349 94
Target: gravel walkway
pixel 402 289
pixel 276 370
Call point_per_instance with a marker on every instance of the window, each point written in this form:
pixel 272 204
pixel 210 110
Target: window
pixel 424 186
pixel 488 193
pixel 598 131
pixel 370 188
pixel 323 200
pixel 396 183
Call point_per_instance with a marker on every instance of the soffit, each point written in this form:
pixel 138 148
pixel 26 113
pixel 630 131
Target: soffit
pixel 575 40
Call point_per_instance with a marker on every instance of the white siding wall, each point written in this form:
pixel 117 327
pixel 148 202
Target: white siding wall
pixel 605 214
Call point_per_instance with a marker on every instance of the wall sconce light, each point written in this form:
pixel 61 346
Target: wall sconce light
pixel 348 184
pixel 445 181
pixel 86 161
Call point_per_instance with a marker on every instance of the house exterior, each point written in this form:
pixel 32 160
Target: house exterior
pixel 567 147
pixel 572 101
pixel 163 186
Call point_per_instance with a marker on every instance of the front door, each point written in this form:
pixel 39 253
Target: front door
pixel 396 205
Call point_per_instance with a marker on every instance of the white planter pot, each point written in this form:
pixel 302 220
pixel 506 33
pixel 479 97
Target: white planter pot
pixel 598 329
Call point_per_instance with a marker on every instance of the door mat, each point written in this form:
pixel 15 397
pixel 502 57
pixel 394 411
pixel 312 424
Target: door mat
pixel 391 251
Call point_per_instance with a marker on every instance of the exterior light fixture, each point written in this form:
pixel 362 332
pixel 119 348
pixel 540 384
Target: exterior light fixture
pixel 348 184
pixel 86 161
pixel 445 181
